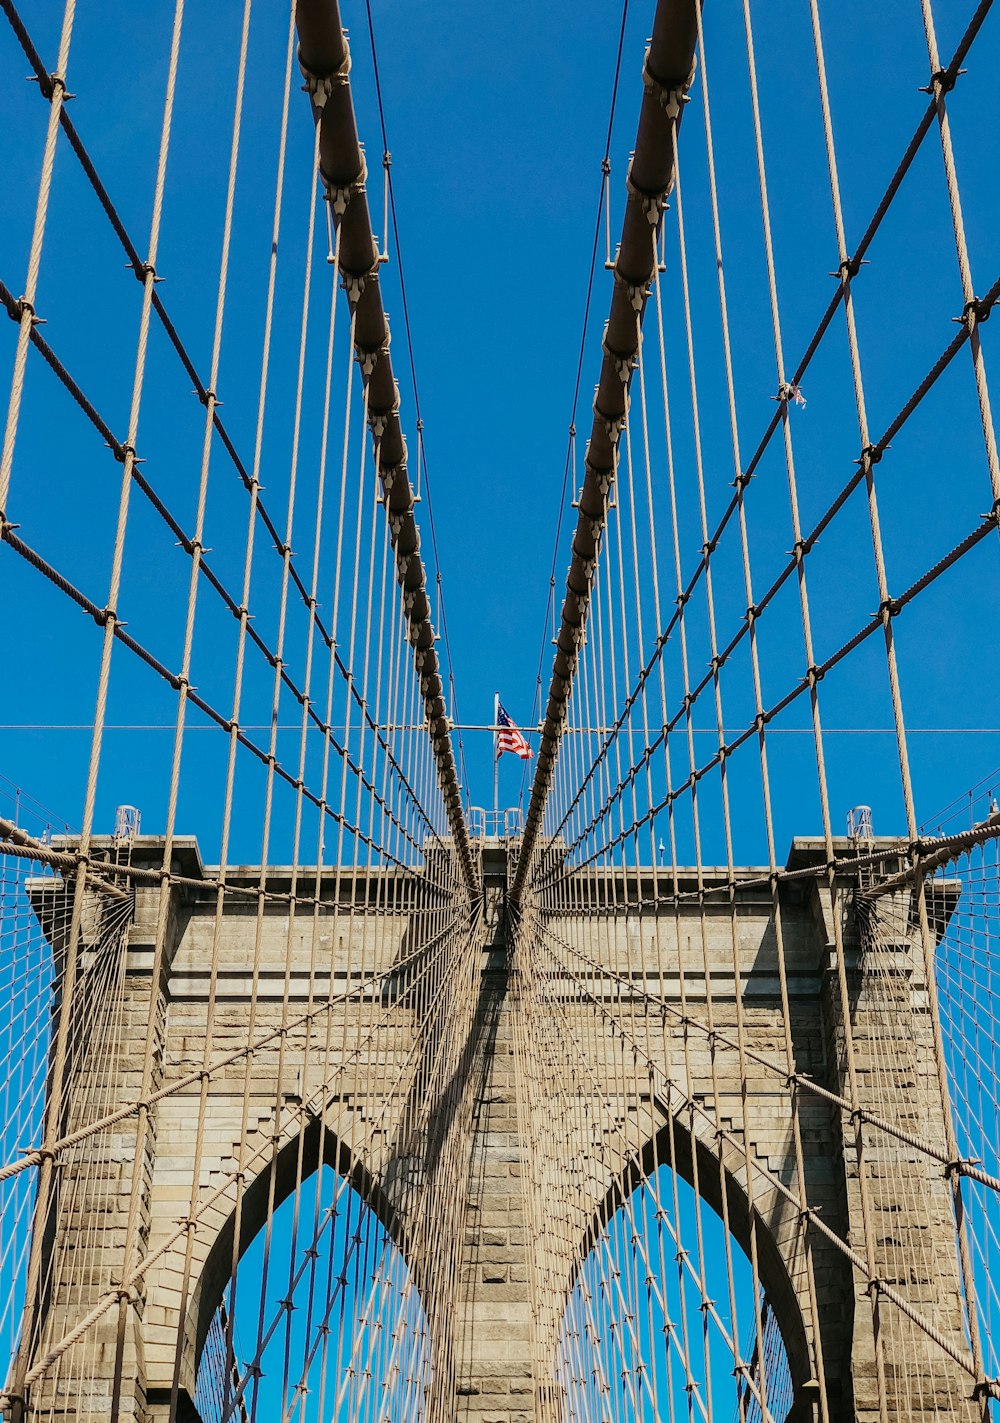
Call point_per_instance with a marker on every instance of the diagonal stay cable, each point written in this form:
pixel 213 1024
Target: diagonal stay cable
pixel 771 1179
pixel 772 1066
pixel 422 449
pixel 101 616
pixel 848 270
pixel 873 455
pixel 138 267
pixel 667 75
pixel 421 956
pixel 987 525
pixel 118 450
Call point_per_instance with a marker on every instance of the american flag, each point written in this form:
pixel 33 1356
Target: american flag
pixel 509 738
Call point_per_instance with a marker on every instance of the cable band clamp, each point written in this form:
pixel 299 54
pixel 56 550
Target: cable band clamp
pixel 671 98
pixel 319 87
pixel 637 291
pixel 624 361
pixel 354 283
pixel 613 424
pixel 653 203
pixel 339 195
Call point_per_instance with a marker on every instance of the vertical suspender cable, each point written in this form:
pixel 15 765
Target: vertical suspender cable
pixel 667 75
pixel 325 62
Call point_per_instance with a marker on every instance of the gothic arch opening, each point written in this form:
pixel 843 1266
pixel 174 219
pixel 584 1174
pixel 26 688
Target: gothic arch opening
pixel 323 1317
pixel 663 1320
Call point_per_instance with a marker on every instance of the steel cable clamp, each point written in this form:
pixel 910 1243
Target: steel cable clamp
pixel 652 201
pixel 624 361
pixel 671 98
pixel 319 87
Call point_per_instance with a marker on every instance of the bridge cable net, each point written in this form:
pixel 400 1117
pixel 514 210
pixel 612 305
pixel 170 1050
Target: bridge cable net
pixel 286 639
pixel 665 1016
pixel 244 1117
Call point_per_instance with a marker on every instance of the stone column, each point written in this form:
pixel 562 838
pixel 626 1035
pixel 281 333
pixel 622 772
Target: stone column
pixel 495 1382
pixel 912 1224
pixel 117 1006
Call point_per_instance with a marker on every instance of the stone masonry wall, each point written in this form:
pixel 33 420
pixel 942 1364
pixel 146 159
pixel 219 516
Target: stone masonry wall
pixel 498 1363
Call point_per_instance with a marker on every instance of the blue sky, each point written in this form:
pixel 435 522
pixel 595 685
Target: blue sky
pixel 497 119
pixel 496 122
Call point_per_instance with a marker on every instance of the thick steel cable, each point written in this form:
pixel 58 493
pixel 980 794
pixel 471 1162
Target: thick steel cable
pixel 193 549
pixel 421 450
pixel 414 753
pixel 569 465
pixel 853 265
pixel 323 56
pixel 555 876
pixel 668 68
pixel 203 390
pixel 808 542
pixel 110 622
pixel 620 603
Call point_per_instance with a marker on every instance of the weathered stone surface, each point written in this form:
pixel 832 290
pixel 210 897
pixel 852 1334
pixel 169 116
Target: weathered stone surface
pixel 513 1265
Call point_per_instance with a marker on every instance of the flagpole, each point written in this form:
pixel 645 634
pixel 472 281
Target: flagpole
pixel 496 764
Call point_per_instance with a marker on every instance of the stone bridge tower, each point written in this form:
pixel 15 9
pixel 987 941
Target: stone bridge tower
pixel 512 1262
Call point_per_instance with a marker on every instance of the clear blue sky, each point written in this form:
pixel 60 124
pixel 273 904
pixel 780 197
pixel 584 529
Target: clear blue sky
pixel 496 120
